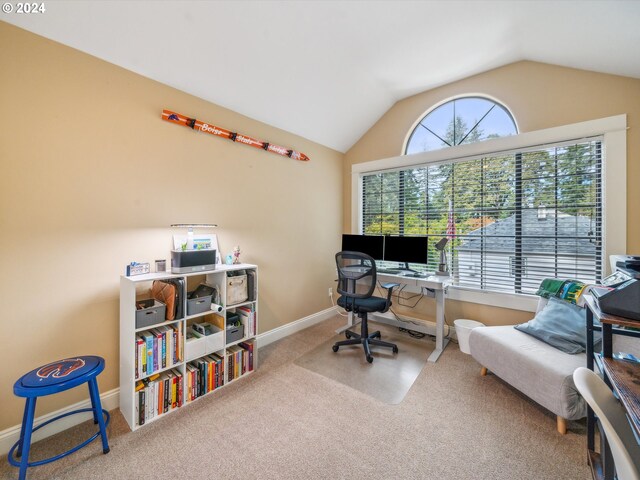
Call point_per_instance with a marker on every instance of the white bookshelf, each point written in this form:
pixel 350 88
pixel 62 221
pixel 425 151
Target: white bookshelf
pixel 136 288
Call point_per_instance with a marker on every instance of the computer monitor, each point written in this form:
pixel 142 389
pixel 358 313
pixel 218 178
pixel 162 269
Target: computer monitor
pixel 372 245
pixel 406 249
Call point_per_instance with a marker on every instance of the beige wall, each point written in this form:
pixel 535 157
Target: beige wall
pixel 539 96
pixel 91 178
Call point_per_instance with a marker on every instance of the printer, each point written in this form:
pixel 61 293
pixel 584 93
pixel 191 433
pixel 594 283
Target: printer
pixel 619 293
pixel 629 264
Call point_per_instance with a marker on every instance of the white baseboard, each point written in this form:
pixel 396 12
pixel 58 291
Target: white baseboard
pixel 110 400
pixel 285 330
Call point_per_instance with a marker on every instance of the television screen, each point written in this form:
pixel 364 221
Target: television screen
pixel 372 245
pixel 406 249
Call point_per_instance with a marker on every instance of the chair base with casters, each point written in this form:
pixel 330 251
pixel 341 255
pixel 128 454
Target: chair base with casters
pixel 365 339
pixel 53 378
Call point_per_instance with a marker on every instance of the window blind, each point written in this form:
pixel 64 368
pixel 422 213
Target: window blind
pixel 512 218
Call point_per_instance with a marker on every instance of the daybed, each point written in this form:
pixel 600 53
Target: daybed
pixel 540 371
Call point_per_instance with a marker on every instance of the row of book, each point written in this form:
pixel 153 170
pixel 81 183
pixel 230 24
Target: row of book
pixel 239 360
pixel 158 348
pixel 204 375
pixel 248 315
pixel 158 394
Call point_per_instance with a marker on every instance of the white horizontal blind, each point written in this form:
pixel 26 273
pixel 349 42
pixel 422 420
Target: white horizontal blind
pixel 518 217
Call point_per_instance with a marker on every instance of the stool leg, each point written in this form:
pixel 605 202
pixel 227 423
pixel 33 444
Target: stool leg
pixel 24 428
pixel 93 405
pixel 25 436
pixel 94 393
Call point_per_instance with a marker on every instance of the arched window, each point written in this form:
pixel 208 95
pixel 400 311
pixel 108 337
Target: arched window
pixel 512 215
pixel 459 121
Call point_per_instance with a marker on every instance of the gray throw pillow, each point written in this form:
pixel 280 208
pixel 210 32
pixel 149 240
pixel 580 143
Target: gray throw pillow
pixel 561 325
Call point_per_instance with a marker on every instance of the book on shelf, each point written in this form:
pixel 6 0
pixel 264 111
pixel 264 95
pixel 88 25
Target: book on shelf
pixel 199 368
pixel 240 363
pixel 168 345
pixel 160 397
pixel 234 361
pixel 229 366
pixel 190 372
pixel 219 370
pixel 140 406
pixel 148 338
pixel 213 380
pixel 168 333
pixel 141 354
pixel 210 373
pixel 156 357
pixel 147 403
pixel 174 343
pixel 177 342
pixel 248 347
pixel 204 376
pixel 172 389
pixel 166 401
pixel 248 315
pixel 180 387
pixel 157 349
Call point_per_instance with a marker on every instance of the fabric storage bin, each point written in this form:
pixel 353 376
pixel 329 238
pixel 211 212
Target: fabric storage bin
pixel 234 334
pixel 215 341
pixel 198 305
pixel 151 312
pixel 195 346
pixel 236 289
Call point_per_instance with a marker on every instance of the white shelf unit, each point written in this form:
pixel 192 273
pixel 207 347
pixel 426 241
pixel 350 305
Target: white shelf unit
pixel 136 288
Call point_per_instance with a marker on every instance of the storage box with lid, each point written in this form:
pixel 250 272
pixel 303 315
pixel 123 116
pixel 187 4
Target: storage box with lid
pixel 237 289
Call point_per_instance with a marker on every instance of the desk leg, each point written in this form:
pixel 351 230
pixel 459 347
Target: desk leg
pixel 607 351
pixel 607 458
pixel 591 418
pixel 441 342
pixel 607 340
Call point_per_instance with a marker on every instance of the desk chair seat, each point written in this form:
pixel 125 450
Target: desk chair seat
pixel 371 304
pixel 356 284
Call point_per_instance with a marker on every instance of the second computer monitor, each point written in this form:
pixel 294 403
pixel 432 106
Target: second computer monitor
pixel 406 249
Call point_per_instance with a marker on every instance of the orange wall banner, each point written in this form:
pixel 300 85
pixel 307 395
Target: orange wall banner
pixel 194 124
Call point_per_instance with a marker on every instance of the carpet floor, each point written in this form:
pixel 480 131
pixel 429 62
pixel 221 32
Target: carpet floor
pixel 287 422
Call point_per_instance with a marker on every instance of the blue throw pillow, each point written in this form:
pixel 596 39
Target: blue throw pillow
pixel 561 325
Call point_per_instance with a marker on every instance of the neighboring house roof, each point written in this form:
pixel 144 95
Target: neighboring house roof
pixel 576 234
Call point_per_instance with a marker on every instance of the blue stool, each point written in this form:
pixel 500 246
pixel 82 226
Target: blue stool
pixel 53 378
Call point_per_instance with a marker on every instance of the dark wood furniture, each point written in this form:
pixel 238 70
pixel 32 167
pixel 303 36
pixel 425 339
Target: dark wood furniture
pixel 622 376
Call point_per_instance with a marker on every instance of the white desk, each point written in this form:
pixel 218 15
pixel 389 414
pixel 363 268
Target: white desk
pixel 436 283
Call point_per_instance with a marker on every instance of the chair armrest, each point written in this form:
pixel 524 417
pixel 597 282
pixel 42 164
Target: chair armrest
pixel 389 287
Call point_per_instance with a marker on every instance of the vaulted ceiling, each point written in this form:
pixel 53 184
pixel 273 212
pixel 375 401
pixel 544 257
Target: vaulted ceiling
pixel 327 70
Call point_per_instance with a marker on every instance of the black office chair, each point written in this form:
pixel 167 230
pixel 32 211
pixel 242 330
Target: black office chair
pixel 356 283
